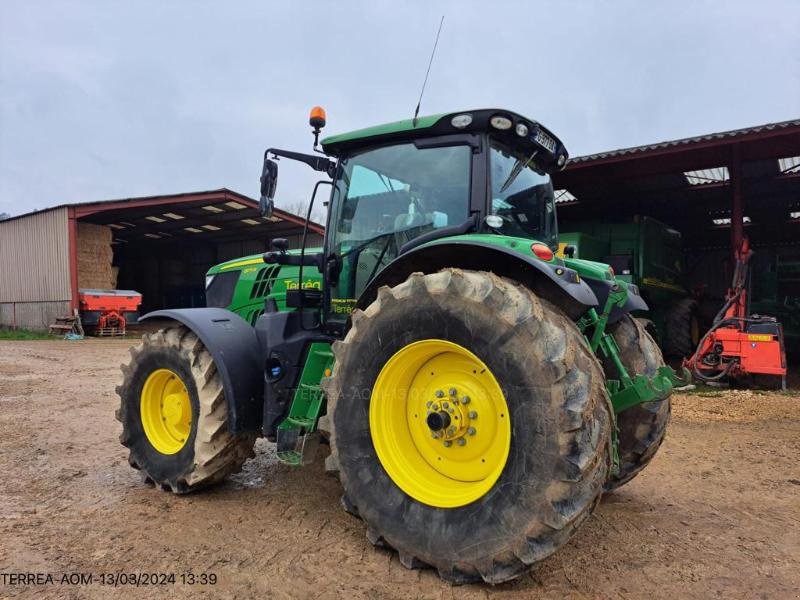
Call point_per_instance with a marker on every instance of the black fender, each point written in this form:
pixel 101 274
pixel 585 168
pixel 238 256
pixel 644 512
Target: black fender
pixel 554 282
pixel 234 347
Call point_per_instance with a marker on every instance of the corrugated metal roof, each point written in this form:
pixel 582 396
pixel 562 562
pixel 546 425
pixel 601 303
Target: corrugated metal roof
pixel 166 199
pixel 699 139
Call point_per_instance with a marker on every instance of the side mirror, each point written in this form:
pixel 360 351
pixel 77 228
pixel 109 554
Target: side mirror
pixel 269 181
pixel 281 244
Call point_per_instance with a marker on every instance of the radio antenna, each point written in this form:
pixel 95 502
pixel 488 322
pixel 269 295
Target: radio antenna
pixel 430 62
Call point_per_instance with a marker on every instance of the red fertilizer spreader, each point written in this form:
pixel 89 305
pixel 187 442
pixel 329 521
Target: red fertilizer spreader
pixel 108 312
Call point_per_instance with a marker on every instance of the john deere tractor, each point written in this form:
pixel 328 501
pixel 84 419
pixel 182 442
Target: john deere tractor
pixel 477 394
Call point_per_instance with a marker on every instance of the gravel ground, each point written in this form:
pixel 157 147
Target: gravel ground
pixel 717 514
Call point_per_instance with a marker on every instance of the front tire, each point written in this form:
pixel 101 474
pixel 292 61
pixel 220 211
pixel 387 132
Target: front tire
pixel 641 428
pixel 461 330
pixel 174 415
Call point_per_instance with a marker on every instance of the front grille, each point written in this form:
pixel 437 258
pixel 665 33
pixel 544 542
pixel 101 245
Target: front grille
pixel 264 280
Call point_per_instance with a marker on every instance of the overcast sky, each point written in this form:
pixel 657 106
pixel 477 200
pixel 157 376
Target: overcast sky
pixel 103 100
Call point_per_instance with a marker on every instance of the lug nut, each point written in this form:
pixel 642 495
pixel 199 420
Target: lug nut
pixel 471 431
pixel 465 400
pixel 439 394
pixel 462 442
pixel 445 405
pixel 450 410
pixel 451 430
pixel 428 403
pixel 447 443
pixel 453 391
pixel 473 414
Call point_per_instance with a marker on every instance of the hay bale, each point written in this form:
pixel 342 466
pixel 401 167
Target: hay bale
pixel 94 257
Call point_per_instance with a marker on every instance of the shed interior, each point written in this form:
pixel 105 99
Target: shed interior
pixel 162 247
pixel 713 189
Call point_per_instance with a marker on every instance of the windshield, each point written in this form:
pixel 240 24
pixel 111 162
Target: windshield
pixel 385 197
pixel 522 195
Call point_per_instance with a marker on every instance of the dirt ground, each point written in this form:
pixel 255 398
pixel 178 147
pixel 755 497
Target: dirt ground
pixel 717 514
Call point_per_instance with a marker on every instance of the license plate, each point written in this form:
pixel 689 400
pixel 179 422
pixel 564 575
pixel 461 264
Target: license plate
pixel 545 140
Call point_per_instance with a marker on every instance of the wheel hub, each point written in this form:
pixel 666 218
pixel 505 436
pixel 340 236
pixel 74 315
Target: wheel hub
pixel 449 419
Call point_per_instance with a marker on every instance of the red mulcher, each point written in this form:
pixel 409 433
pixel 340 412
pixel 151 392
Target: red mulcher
pixel 739 345
pixel 107 312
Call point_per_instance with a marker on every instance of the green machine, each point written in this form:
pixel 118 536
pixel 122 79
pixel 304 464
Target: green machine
pixel 649 254
pixel 476 393
pixel 776 291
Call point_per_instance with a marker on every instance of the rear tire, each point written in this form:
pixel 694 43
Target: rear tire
pixel 558 458
pixel 641 428
pixel 209 452
pixel 682 329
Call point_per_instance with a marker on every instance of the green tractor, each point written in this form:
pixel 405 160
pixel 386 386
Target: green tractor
pixel 477 393
pixel 649 254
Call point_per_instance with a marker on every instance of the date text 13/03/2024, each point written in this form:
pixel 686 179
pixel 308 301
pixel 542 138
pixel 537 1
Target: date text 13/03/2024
pixel 114 579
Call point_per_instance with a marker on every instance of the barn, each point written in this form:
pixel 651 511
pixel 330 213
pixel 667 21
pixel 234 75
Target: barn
pixel 160 246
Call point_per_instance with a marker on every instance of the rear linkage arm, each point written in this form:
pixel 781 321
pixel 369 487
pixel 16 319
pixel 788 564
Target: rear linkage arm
pixel 629 390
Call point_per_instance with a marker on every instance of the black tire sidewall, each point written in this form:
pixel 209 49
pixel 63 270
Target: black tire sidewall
pixel 159 467
pixel 534 458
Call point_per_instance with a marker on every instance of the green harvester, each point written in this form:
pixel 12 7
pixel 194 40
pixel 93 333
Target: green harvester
pixel 649 254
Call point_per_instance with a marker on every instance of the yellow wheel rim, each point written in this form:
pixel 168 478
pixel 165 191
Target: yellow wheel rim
pixel 166 411
pixel 440 423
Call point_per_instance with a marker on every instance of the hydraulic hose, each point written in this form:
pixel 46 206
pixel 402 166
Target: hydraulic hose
pixel 718 324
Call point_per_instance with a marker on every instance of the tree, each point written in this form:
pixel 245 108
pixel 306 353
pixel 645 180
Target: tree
pixel 300 208
pixel 4 216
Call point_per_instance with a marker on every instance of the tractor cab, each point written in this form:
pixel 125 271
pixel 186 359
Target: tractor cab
pixel 399 186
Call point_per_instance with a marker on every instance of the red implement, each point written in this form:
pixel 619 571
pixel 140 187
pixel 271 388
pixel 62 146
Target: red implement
pixel 738 344
pixel 108 312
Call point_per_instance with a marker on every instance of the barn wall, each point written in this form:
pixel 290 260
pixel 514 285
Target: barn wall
pixel 34 269
pixel 32 315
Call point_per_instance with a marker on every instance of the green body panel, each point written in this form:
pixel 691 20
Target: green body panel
pixel 586 268
pixel 385 129
pixel 259 282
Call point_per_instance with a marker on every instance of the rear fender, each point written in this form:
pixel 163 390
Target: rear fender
pixel 234 347
pixel 554 282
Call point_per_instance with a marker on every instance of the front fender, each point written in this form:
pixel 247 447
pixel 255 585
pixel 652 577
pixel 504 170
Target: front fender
pixel 234 347
pixel 556 282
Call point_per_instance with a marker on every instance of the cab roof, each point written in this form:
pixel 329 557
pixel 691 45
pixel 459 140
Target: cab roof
pixel 433 125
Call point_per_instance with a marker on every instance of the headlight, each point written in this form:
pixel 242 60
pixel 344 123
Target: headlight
pixel 522 129
pixel 209 279
pixel 461 121
pixel 500 122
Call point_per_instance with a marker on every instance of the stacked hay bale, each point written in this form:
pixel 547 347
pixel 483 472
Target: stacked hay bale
pixel 94 257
